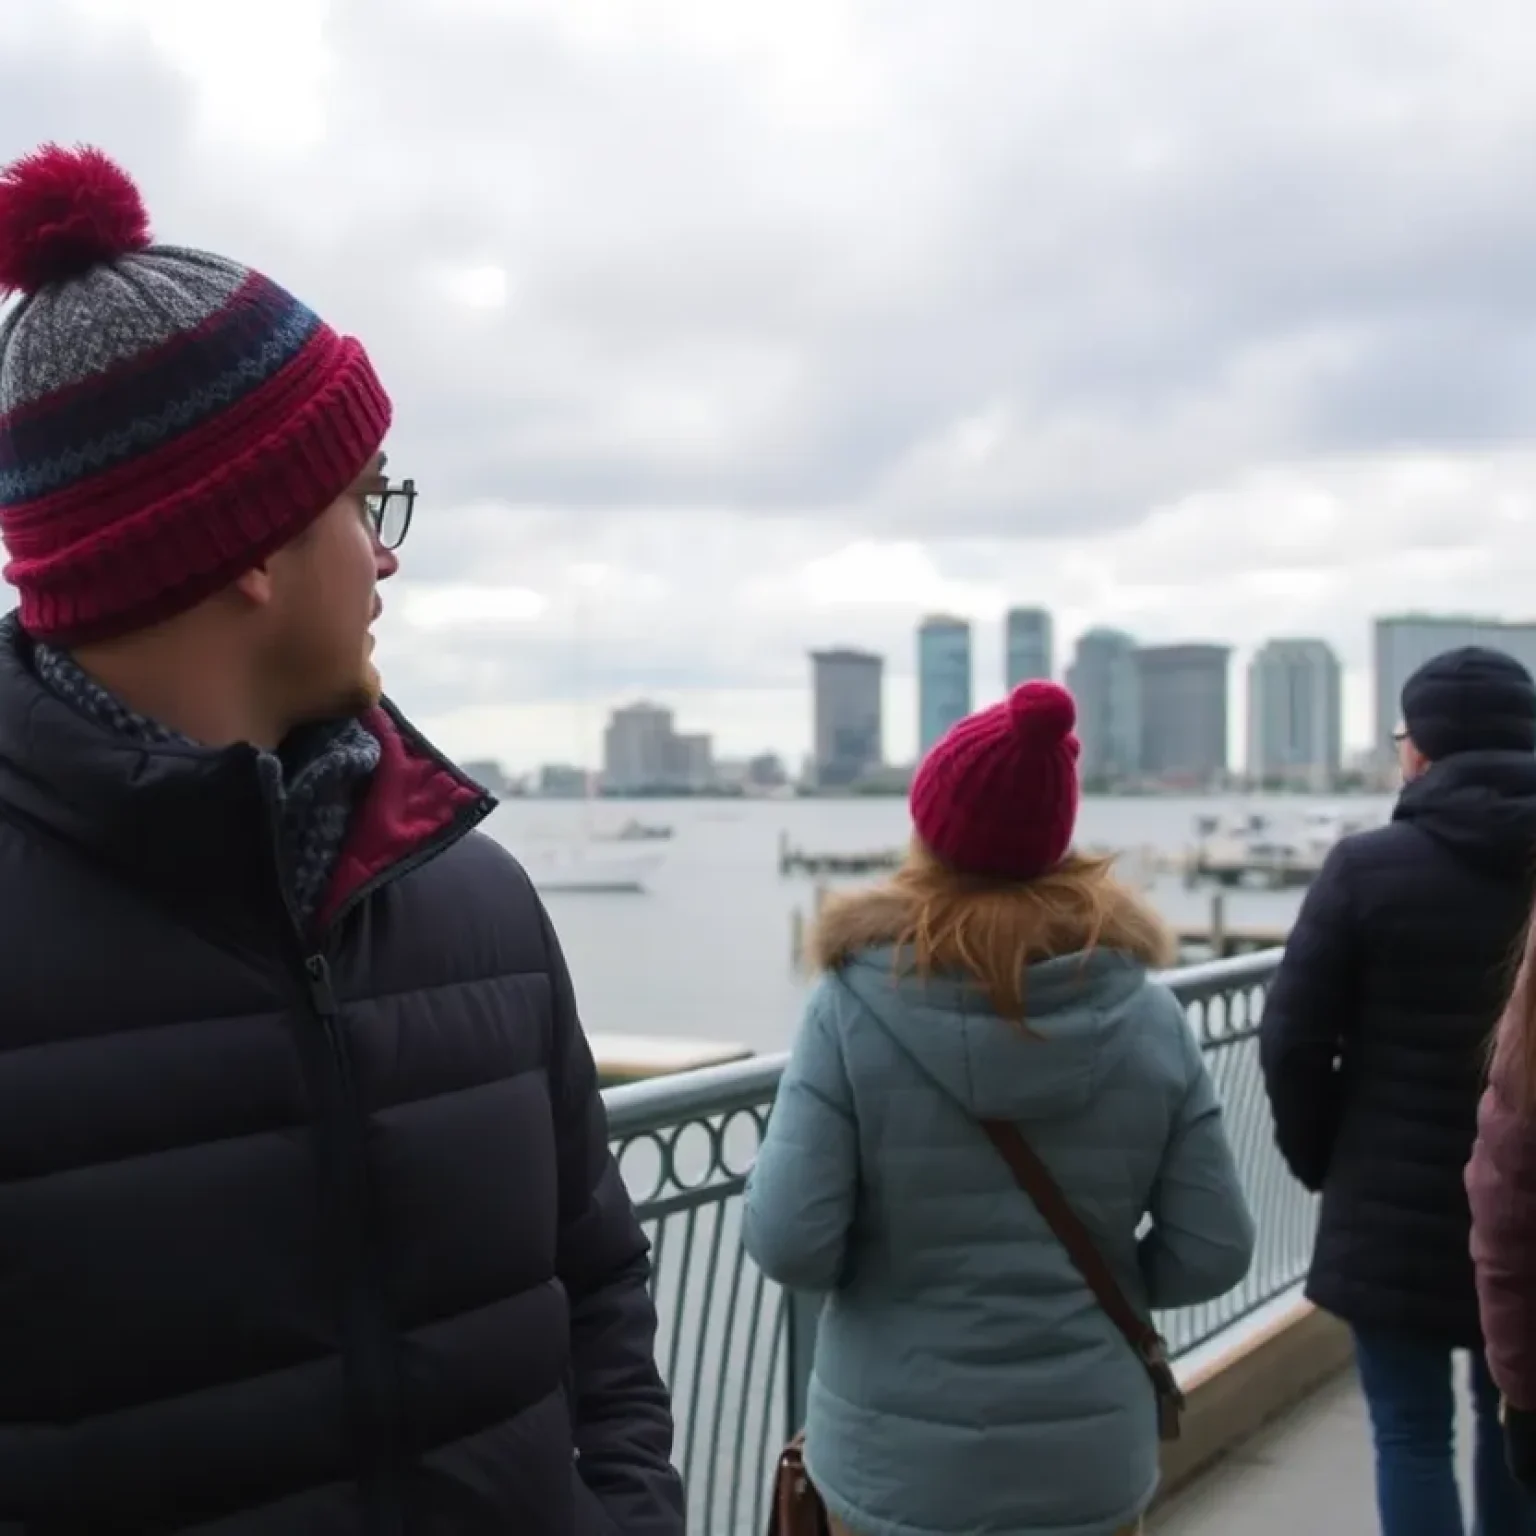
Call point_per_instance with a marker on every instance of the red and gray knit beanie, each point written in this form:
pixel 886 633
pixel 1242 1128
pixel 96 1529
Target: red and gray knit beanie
pixel 168 418
pixel 997 795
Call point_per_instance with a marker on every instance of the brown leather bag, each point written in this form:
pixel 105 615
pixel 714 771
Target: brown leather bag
pixel 796 1508
pixel 1036 1180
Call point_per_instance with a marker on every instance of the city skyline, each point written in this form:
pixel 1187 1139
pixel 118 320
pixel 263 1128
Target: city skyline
pixel 752 341
pixel 1158 715
pixel 750 714
pixel 897 697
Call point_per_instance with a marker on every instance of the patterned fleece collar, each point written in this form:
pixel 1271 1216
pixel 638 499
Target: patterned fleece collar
pixel 313 777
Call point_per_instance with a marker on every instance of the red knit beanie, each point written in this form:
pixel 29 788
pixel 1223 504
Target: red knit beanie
pixel 998 793
pixel 168 418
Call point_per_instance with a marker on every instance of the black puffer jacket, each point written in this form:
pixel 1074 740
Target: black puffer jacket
pixel 302 1239
pixel 1374 1038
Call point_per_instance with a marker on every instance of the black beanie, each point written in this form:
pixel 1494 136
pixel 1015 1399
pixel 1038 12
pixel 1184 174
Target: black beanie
pixel 1470 700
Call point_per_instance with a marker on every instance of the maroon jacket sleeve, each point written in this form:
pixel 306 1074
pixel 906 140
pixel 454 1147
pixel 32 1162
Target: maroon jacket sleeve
pixel 1501 1183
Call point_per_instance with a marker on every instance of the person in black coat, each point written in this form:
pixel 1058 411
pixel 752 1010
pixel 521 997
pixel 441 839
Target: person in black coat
pixel 309 1224
pixel 1374 1044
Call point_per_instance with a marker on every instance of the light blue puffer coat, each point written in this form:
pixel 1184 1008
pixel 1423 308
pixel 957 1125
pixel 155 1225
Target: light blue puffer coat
pixel 965 1378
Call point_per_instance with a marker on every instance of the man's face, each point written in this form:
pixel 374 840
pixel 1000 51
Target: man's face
pixel 325 600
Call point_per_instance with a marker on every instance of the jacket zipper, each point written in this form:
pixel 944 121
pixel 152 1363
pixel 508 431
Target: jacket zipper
pixel 372 1383
pixel 328 1069
pixel 372 1389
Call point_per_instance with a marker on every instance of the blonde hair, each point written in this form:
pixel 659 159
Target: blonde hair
pixel 945 922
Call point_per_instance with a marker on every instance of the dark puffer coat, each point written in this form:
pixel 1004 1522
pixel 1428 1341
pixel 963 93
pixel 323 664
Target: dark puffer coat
pixel 1375 1038
pixel 299 1237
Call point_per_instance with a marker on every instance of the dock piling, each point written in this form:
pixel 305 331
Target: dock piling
pixel 1218 925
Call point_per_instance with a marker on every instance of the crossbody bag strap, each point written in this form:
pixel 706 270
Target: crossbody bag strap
pixel 1037 1181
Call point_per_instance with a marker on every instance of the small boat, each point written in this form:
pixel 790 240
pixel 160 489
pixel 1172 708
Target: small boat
pixel 637 832
pixel 1248 849
pixel 567 867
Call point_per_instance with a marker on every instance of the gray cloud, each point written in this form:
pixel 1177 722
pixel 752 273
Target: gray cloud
pixel 968 274
pixel 1116 248
pixel 1103 235
pixel 62 80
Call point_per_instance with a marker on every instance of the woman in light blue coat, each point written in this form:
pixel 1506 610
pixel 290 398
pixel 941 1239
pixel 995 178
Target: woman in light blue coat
pixel 965 1378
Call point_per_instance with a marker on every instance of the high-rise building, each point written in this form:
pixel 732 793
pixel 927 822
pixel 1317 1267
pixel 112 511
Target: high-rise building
pixel 637 747
pixel 1104 681
pixel 1184 712
pixel 642 751
pixel 1296 714
pixel 1027 646
pixel 691 762
pixel 492 775
pixel 1404 642
pixel 848 687
pixel 943 677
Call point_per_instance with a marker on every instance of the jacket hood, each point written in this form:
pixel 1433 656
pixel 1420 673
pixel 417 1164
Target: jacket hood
pixel 193 824
pixel 1081 1011
pixel 1481 806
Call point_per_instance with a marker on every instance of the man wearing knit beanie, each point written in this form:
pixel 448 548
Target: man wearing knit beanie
pixel 1374 1042
pixel 307 1216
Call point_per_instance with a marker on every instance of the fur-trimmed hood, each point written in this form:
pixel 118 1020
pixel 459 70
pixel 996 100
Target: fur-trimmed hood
pixel 1080 906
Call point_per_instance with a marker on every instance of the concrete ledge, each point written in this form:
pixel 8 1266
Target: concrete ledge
pixel 1233 1393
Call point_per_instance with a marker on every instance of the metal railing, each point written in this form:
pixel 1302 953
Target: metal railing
pixel 735 1349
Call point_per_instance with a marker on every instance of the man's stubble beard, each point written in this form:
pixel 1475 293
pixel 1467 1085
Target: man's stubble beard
pixel 354 701
pixel 368 692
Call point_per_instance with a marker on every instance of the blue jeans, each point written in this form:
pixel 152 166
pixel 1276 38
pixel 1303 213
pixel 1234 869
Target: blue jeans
pixel 1409 1392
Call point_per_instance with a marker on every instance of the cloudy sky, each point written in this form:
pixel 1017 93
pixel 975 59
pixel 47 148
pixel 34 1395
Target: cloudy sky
pixel 722 329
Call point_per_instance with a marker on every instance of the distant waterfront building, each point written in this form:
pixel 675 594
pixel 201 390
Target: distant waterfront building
pixel 637 747
pixel 766 771
pixel 563 781
pixel 1104 680
pixel 849 707
pixel 943 677
pixel 692 762
pixel 1184 712
pixel 643 753
pixel 1296 715
pixel 1404 642
pixel 488 772
pixel 752 775
pixel 1028 649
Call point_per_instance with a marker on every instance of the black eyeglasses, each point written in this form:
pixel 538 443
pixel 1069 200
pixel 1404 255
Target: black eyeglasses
pixel 389 513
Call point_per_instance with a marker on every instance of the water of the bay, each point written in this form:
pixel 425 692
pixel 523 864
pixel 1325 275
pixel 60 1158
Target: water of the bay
pixel 705 952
